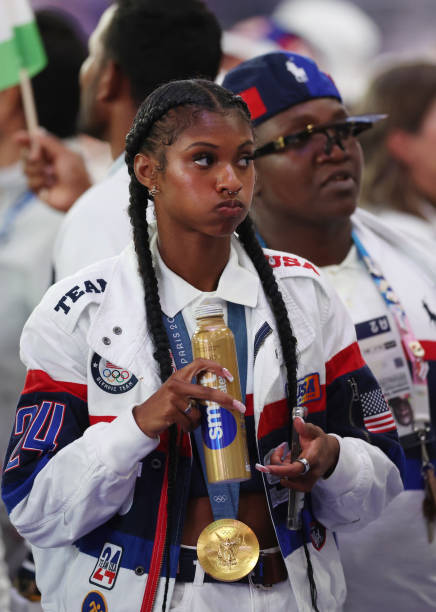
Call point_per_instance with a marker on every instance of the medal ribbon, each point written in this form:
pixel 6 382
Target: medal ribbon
pixel 411 345
pixel 224 498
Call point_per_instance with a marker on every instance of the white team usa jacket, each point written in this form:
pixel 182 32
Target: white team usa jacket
pixel 88 489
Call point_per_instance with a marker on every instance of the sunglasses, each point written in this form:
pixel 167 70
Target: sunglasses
pixel 335 133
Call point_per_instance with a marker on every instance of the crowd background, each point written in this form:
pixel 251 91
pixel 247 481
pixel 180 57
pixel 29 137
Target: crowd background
pixel 349 39
pixel 404 27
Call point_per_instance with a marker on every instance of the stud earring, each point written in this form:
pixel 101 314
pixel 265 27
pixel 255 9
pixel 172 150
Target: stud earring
pixel 154 190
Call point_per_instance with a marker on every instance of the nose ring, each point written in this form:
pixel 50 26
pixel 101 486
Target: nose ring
pixel 233 193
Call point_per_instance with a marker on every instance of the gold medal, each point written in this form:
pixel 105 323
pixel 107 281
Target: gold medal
pixel 227 550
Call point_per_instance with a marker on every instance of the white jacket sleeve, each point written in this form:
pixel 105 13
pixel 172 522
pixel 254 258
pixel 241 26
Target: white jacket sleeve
pixel 84 484
pixel 363 483
pixel 61 484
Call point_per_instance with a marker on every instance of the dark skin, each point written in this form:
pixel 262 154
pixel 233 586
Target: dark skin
pixel 208 160
pixel 304 198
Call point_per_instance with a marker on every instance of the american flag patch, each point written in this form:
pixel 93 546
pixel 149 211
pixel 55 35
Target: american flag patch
pixel 376 413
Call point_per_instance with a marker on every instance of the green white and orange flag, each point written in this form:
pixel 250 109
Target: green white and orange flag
pixel 20 43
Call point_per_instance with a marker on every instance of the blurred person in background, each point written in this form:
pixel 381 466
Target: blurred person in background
pixel 86 12
pixel 399 182
pixel 342 37
pixel 309 164
pixel 255 36
pixel 27 226
pixel 137 45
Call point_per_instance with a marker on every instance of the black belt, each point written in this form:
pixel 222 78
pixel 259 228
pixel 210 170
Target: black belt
pixel 270 569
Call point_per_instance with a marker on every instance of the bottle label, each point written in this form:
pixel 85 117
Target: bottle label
pixel 218 426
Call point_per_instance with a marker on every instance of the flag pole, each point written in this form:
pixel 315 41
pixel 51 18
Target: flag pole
pixel 28 101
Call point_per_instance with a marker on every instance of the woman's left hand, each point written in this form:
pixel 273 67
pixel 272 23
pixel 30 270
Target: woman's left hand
pixel 318 448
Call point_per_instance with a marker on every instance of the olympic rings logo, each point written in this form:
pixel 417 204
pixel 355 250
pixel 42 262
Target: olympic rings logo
pixel 220 499
pixel 114 375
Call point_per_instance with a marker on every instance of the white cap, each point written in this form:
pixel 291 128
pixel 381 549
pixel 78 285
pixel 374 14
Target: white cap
pixel 209 310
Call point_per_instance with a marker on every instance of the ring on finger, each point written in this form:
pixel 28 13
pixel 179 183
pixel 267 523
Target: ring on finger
pixel 304 462
pixel 191 404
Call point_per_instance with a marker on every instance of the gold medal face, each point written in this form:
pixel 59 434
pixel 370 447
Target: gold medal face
pixel 227 550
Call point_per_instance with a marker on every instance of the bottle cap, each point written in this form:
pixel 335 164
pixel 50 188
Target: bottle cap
pixel 209 310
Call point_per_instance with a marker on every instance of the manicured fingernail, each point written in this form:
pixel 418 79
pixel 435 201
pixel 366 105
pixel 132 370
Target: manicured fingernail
pixel 228 375
pixel 262 468
pixel 239 406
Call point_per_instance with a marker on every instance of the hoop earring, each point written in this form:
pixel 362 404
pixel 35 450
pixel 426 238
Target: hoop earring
pixel 154 190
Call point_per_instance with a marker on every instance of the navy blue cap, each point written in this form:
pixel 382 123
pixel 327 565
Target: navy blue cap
pixel 273 82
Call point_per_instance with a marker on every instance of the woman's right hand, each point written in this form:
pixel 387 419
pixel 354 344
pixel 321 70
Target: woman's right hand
pixel 170 403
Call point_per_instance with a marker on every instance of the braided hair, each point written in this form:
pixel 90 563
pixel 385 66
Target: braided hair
pixel 164 114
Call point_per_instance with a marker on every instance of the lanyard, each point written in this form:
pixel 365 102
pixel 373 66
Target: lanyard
pixel 261 241
pixel 411 345
pixel 224 498
pixel 13 212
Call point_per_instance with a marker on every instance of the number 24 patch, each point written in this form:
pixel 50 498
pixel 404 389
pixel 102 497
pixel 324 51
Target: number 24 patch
pixel 107 566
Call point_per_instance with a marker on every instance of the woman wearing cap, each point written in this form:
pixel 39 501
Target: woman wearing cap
pixel 309 164
pixel 114 511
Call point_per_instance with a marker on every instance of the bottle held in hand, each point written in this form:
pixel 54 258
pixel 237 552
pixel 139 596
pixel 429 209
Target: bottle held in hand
pixel 223 431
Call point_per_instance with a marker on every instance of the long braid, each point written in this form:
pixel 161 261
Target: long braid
pixel 288 342
pixel 137 211
pixel 138 216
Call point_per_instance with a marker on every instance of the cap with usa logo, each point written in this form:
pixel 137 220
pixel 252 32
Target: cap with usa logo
pixel 273 82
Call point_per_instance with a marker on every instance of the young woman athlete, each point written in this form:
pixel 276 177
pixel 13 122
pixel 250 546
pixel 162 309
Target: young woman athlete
pixel 102 474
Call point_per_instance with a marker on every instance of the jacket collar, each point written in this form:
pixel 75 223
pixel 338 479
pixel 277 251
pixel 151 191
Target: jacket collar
pixel 175 293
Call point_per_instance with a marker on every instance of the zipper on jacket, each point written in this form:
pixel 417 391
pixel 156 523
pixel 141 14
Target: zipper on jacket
pixel 149 596
pixel 355 398
pixel 157 562
pixel 262 333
